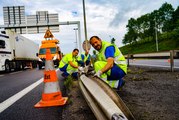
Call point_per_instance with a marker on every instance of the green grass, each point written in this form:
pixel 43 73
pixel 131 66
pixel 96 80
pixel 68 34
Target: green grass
pixel 150 46
pixel 68 82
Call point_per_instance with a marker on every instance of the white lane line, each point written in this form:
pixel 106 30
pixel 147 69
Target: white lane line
pixel 1 75
pixel 5 104
pixel 15 72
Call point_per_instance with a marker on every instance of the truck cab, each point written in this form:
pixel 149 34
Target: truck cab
pixel 5 51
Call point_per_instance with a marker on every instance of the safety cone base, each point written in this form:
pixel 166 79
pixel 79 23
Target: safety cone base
pixel 60 102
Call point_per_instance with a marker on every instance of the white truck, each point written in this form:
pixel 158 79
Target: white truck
pixel 16 51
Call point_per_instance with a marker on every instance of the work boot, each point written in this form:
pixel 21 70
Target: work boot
pixel 75 75
pixel 64 75
pixel 120 85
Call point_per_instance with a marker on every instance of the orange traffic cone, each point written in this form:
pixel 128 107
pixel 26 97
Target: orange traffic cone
pixel 52 95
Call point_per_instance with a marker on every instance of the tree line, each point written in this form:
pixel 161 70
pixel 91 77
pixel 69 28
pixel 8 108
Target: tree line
pixel 163 23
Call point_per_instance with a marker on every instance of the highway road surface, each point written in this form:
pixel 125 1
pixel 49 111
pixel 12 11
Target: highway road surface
pixel 19 92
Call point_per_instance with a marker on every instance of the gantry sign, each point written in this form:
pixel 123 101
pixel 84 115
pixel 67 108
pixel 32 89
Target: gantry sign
pixel 45 26
pixel 15 19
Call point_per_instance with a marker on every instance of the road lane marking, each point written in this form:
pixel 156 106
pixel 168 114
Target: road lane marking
pixel 1 75
pixel 5 104
pixel 15 72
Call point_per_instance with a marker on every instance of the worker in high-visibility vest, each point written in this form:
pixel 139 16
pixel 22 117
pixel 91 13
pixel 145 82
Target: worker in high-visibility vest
pixel 68 65
pixel 111 64
pixel 94 57
pixel 84 59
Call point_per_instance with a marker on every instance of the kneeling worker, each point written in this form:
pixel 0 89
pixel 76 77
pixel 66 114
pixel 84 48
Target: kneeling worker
pixel 68 64
pixel 111 65
pixel 84 59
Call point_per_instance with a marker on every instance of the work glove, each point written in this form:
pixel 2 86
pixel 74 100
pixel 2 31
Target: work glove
pixel 81 69
pixel 98 74
pixel 86 68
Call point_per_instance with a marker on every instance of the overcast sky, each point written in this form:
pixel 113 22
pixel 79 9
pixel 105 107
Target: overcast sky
pixel 105 18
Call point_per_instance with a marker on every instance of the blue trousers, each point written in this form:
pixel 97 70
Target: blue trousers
pixel 113 76
pixel 66 74
pixel 117 74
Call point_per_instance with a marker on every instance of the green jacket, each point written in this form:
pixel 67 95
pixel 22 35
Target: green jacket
pixel 65 60
pixel 119 59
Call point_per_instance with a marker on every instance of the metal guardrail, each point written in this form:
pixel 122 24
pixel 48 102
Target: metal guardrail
pixel 103 100
pixel 172 54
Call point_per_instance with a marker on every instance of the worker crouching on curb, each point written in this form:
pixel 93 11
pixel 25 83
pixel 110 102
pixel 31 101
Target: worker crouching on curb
pixel 68 64
pixel 111 65
pixel 84 59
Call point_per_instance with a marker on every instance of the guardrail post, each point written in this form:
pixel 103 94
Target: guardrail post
pixel 171 60
pixel 128 60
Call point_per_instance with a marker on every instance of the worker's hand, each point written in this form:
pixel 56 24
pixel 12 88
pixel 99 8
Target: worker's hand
pixel 98 74
pixel 81 69
pixel 86 69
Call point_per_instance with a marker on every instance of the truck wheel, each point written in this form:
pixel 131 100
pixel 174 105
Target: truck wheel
pixel 21 66
pixel 34 64
pixel 40 66
pixel 17 65
pixel 7 66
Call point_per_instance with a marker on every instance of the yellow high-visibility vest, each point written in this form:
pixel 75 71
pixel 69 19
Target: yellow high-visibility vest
pixel 119 59
pixel 68 57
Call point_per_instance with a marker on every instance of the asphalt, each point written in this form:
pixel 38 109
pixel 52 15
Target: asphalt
pixel 23 109
pixel 14 82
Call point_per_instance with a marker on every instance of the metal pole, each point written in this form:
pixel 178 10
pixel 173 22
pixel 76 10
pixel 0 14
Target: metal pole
pixel 79 38
pixel 85 28
pixel 156 36
pixel 76 38
pixel 75 29
pixel 84 15
pixel 128 59
pixel 171 60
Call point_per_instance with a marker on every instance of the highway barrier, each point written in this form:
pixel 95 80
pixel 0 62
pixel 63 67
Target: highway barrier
pixel 52 95
pixel 170 55
pixel 103 100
